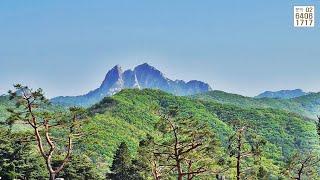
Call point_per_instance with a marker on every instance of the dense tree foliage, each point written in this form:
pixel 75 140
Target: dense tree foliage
pixel 18 160
pixel 303 165
pixel 246 148
pixel 140 111
pixel 130 115
pixel 185 148
pixel 30 110
pixel 4 105
pixel 122 167
pixel 80 167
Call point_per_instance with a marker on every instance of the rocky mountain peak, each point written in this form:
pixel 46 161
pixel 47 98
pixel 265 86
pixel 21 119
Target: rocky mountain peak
pixel 114 75
pixel 142 76
pixel 145 68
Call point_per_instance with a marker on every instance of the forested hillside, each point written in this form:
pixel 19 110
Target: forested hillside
pixel 308 105
pixel 131 115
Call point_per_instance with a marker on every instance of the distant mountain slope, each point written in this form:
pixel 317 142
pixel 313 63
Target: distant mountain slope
pixel 283 94
pixel 141 77
pixel 307 105
pixel 138 111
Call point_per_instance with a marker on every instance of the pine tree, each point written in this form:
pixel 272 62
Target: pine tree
pixel 303 165
pixel 18 159
pixel 31 110
pixel 147 161
pixel 122 167
pixel 186 149
pixel 245 146
pixel 80 167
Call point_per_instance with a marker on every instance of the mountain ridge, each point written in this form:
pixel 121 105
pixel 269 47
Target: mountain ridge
pixel 141 77
pixel 282 94
pixel 307 105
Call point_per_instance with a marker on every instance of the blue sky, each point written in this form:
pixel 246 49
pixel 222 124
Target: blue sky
pixel 245 47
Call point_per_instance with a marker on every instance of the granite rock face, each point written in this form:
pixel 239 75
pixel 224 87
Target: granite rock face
pixel 142 76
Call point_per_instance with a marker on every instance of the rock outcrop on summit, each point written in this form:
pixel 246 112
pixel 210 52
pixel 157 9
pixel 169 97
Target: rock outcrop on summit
pixel 141 77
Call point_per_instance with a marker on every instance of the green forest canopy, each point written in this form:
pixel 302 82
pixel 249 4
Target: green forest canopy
pixel 131 114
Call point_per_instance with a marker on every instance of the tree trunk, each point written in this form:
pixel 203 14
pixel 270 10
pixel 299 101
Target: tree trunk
pixel 300 172
pixel 239 155
pixel 155 173
pixel 238 167
pixel 180 175
pixel 52 176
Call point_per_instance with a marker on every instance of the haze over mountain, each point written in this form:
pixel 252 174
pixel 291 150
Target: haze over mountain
pixel 282 94
pixel 141 77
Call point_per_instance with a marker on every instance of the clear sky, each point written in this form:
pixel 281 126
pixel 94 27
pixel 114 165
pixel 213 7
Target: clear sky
pixel 245 47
